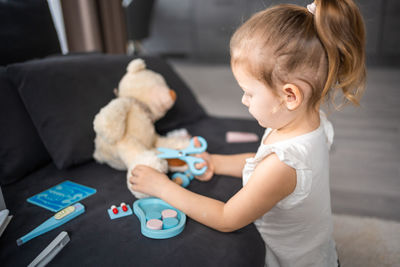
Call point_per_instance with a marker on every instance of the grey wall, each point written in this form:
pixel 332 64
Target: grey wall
pixel 201 29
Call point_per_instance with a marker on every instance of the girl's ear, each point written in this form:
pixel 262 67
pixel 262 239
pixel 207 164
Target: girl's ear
pixel 292 96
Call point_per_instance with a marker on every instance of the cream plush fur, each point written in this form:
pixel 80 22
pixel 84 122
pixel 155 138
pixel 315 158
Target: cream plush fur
pixel 125 132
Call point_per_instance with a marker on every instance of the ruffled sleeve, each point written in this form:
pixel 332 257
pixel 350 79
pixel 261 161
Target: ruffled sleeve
pixel 328 129
pixel 296 153
pixel 294 156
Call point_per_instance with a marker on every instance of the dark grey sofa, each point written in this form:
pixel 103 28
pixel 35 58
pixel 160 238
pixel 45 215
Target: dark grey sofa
pixel 46 111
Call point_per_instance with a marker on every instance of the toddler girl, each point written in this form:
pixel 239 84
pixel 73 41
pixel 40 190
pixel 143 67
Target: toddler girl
pixel 287 59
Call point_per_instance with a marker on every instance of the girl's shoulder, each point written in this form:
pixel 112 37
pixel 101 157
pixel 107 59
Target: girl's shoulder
pixel 299 153
pixel 324 133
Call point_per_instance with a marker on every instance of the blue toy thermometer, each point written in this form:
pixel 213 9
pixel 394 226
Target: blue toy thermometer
pixel 58 219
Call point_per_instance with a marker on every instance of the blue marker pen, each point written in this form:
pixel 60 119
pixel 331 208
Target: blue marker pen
pixel 58 219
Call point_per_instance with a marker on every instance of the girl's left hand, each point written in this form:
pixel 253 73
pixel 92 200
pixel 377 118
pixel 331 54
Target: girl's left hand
pixel 148 180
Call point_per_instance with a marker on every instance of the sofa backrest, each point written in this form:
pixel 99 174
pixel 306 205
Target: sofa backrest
pixel 21 149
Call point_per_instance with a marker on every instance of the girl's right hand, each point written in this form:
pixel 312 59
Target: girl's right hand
pixel 207 162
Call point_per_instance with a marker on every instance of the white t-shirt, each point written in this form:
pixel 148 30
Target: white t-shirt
pixel 298 230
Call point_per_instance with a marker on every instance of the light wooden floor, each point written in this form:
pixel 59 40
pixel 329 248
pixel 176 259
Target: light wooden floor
pixel 365 158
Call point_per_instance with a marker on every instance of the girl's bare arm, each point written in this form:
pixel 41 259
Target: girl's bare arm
pixel 271 181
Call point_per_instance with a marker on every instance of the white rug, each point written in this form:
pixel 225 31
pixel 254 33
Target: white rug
pixel 367 242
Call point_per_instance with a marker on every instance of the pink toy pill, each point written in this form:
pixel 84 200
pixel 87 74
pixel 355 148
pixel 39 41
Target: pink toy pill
pixel 154 224
pixel 168 213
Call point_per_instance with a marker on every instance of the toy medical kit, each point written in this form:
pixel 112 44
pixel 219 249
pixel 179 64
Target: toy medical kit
pixel 117 212
pixel 51 250
pixel 158 228
pixel 5 219
pixel 184 155
pixel 55 221
pixel 240 137
pixel 61 196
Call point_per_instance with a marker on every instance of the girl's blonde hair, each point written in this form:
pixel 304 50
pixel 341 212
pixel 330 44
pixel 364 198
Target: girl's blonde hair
pixel 286 43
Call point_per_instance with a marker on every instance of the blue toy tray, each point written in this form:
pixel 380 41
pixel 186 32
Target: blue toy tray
pixel 143 207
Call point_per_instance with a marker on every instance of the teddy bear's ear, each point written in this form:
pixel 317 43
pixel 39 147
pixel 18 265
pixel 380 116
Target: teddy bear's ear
pixel 136 65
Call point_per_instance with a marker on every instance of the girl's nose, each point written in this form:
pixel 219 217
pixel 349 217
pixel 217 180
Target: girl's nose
pixel 245 101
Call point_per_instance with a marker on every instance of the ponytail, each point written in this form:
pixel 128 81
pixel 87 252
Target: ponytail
pixel 341 30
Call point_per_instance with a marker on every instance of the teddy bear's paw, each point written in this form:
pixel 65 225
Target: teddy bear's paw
pixel 148 158
pixel 182 143
pixel 137 194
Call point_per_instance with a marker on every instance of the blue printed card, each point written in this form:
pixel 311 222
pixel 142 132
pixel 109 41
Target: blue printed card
pixel 62 195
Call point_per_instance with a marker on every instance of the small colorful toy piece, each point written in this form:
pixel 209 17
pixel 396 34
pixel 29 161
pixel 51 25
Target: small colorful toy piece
pixel 153 215
pixel 117 212
pixel 240 137
pixel 158 219
pixel 168 213
pixel 184 154
pixel 124 207
pixel 154 224
pixel 182 178
pixel 169 223
pixel 114 209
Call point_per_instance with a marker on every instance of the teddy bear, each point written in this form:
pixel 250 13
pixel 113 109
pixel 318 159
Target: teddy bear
pixel 125 131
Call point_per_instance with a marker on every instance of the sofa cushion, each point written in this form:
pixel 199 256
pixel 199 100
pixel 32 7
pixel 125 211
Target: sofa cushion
pixel 197 245
pixel 21 151
pixel 26 31
pixel 98 241
pixel 63 94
